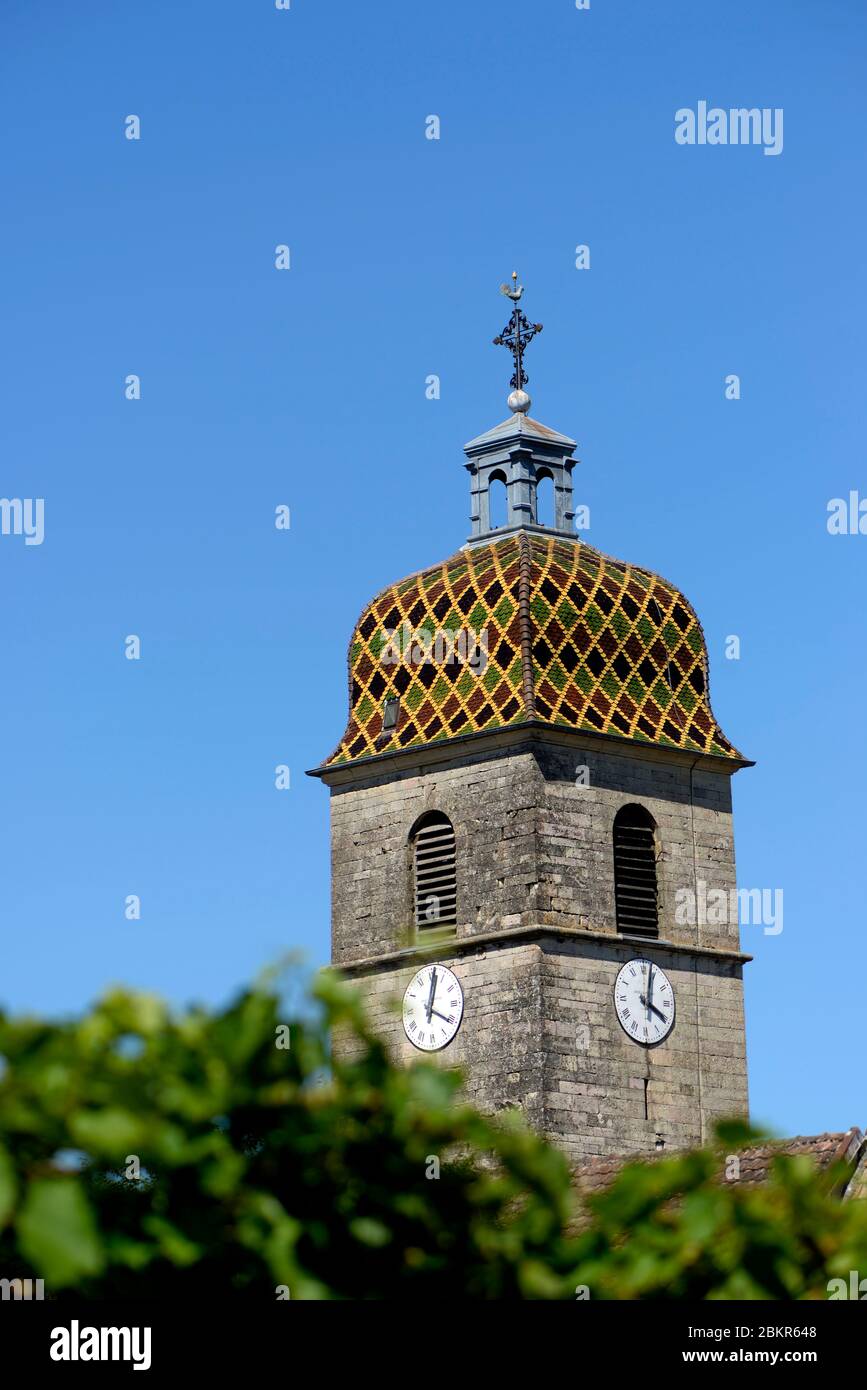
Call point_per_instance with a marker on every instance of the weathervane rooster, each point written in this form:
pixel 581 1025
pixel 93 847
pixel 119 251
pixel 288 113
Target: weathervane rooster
pixel 516 335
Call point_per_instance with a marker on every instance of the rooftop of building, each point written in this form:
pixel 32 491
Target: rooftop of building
pixel 847 1148
pixel 528 623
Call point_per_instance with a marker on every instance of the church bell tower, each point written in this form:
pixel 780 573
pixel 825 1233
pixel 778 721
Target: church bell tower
pixel 530 804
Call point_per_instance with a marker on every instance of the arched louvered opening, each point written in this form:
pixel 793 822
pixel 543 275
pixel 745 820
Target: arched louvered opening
pixel 498 501
pixel 635 886
pixel 434 887
pixel 545 498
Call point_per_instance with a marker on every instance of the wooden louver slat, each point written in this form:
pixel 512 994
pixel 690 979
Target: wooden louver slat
pixel 635 883
pixel 434 874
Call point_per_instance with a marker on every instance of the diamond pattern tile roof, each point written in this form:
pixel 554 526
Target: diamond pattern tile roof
pixel 569 637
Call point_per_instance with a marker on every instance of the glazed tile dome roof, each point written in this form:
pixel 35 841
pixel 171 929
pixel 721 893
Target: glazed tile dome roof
pixel 570 638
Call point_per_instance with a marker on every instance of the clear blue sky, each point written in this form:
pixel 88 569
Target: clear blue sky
pixel 306 387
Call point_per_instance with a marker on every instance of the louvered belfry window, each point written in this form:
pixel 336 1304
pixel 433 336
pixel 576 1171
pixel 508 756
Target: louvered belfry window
pixel 635 887
pixel 433 845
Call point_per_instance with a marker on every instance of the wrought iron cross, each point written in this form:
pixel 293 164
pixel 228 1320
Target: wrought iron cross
pixel 518 333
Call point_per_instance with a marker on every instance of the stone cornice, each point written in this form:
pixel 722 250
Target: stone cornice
pixel 529 733
pixel 460 945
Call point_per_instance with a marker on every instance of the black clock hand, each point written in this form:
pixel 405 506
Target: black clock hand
pixel 430 998
pixel 444 1017
pixel 653 1008
pixel 650 985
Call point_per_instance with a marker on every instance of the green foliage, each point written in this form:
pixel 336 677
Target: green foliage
pixel 675 1230
pixel 150 1155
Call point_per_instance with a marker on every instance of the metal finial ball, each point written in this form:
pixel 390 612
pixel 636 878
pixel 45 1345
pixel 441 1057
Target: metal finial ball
pixel 519 402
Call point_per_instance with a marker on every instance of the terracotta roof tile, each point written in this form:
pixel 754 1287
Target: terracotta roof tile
pixel 594 1174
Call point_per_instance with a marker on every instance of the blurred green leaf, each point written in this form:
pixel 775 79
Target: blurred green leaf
pixel 57 1232
pixel 8 1186
pixel 109 1133
pixel 263 1168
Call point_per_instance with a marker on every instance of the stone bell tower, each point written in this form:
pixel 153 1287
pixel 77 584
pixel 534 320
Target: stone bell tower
pixel 531 791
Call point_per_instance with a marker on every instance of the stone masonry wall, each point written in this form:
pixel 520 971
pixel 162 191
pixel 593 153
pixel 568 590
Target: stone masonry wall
pixel 595 1075
pixel 692 810
pixel 499 1044
pixel 539 1032
pixel 532 846
pixel 492 803
pixel 535 850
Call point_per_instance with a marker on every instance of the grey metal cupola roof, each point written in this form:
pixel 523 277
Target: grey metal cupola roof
pixel 520 452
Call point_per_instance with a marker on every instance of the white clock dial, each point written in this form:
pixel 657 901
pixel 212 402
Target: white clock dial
pixel 644 1000
pixel 432 1008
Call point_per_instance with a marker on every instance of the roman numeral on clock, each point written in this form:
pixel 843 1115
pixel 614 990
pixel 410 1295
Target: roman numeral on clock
pixel 432 1008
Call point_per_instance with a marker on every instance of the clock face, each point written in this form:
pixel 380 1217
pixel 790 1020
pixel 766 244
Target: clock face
pixel 644 1000
pixel 432 1008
